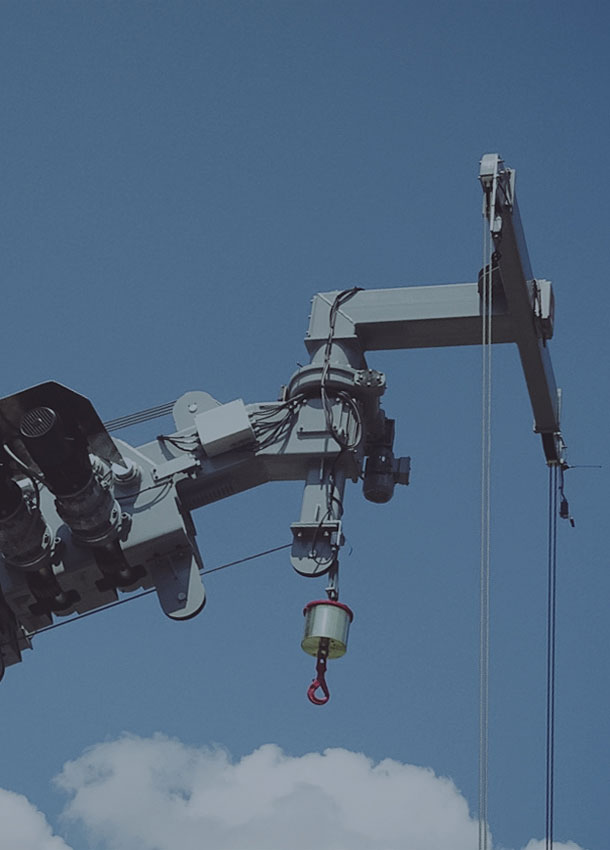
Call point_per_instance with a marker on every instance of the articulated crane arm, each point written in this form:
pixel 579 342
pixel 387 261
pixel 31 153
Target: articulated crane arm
pixel 85 517
pixel 436 316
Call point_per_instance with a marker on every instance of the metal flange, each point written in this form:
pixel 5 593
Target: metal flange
pixel 358 382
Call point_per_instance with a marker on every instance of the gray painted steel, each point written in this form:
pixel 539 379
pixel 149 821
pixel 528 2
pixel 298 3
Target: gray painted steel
pixel 129 526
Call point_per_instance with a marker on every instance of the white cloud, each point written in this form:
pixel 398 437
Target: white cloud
pixel 159 794
pixel 23 827
pixel 535 844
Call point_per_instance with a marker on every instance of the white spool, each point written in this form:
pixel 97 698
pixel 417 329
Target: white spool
pixel 326 619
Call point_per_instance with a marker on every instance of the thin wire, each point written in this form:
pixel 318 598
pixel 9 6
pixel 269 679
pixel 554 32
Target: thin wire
pixel 485 560
pixel 550 657
pixel 150 590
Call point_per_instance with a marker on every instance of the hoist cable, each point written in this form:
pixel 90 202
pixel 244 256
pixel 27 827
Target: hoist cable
pixel 485 553
pixel 550 657
pixel 150 590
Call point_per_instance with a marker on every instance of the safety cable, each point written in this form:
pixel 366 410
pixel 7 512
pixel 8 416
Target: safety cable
pixel 550 657
pixel 485 554
pixel 150 590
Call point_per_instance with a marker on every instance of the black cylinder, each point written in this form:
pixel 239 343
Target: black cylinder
pixel 62 457
pixel 378 482
pixel 10 491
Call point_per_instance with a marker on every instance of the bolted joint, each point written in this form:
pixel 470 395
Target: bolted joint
pixel 373 381
pixel 315 546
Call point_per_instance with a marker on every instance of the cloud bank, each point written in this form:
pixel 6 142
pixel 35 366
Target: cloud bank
pixel 23 827
pixel 159 794
pixel 541 845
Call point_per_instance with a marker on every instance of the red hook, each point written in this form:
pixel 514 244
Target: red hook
pixel 320 680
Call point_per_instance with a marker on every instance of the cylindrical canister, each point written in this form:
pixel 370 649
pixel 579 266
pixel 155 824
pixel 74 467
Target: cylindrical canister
pixel 330 620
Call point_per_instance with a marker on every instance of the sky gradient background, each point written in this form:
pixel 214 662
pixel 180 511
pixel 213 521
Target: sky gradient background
pixel 178 179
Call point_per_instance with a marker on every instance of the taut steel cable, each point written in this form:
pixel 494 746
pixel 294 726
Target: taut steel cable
pixel 486 386
pixel 550 657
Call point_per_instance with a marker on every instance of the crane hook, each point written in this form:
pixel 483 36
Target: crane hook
pixel 320 679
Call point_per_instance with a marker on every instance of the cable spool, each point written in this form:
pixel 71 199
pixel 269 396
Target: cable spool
pixel 326 620
pixel 327 625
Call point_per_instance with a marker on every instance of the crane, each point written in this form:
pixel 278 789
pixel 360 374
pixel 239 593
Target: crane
pixel 85 517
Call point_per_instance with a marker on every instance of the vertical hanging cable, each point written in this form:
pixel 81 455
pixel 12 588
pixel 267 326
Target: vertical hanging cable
pixel 486 315
pixel 550 656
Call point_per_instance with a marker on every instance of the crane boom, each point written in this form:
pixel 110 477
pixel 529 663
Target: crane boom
pixel 84 517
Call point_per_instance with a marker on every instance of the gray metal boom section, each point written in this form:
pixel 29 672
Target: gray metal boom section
pixel 451 314
pixel 415 317
pixel 523 301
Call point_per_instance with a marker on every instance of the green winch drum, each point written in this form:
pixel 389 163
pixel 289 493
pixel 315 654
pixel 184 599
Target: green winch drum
pixel 326 619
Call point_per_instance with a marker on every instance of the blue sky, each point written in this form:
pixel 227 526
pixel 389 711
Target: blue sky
pixel 178 179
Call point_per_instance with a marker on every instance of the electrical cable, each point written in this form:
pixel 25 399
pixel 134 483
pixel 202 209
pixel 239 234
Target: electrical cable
pixel 332 514
pixel 340 299
pixel 150 590
pixel 334 502
pixel 29 473
pixel 185 443
pixel 32 476
pixel 550 657
pixel 347 445
pixel 268 428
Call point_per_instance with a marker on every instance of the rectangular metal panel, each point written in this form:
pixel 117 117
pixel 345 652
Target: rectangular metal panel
pixel 224 428
pixel 409 317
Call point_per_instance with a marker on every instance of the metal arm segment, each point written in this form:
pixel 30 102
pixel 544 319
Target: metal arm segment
pixel 437 316
pixel 416 317
pixel 524 299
